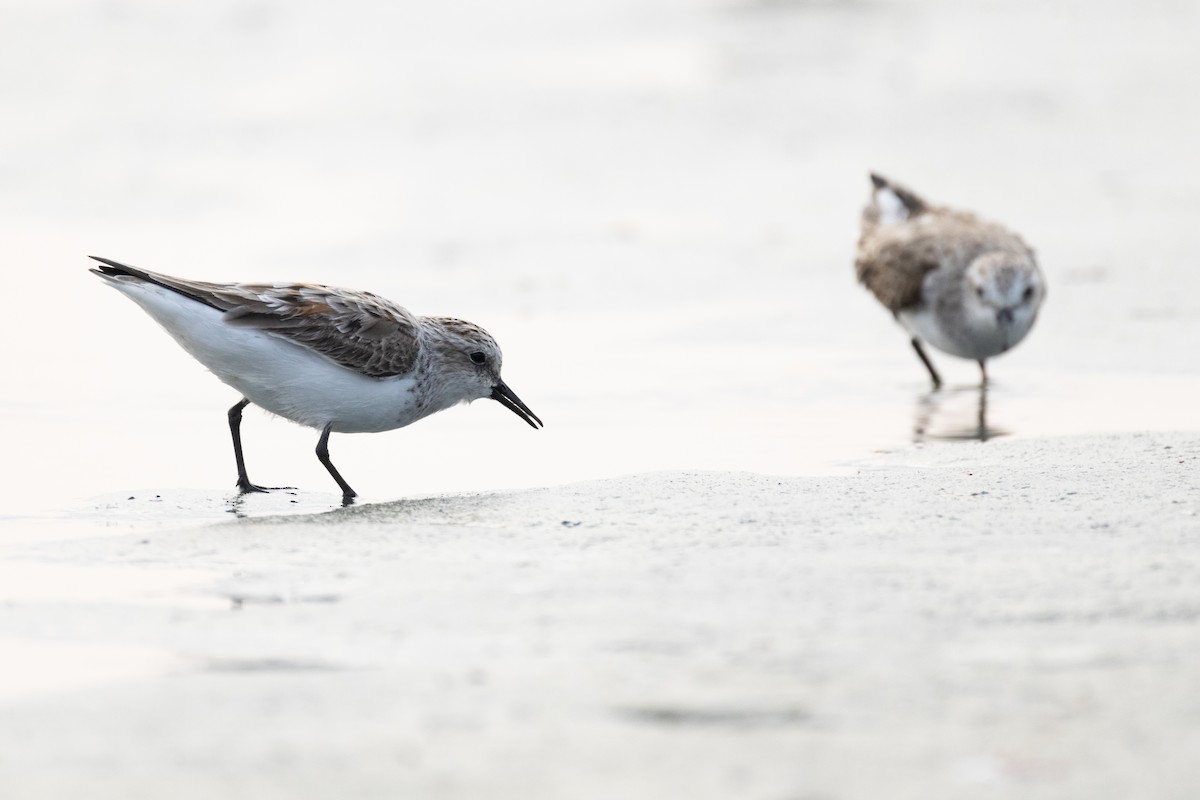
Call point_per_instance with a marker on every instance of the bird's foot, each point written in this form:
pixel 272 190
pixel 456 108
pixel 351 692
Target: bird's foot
pixel 246 487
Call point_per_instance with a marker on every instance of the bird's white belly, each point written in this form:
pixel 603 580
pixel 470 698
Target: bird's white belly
pixel 277 375
pixel 976 339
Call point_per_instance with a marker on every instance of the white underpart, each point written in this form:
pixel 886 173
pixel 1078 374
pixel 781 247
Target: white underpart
pixel 981 341
pixel 892 210
pixel 273 373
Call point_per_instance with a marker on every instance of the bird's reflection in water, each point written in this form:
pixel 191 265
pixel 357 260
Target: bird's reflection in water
pixel 954 414
pixel 270 503
pixel 236 505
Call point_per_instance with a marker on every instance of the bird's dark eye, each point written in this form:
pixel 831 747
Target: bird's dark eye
pixel 979 291
pixel 1028 294
pixel 478 358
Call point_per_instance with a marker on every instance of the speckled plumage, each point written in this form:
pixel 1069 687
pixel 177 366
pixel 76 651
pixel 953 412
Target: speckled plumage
pixel 359 330
pixel 967 286
pixel 338 360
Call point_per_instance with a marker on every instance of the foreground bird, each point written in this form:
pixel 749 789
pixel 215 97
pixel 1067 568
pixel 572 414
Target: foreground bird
pixel 968 287
pixel 332 359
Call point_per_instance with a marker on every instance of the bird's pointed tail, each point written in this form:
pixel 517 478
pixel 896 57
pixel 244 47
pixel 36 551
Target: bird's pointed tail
pixel 891 203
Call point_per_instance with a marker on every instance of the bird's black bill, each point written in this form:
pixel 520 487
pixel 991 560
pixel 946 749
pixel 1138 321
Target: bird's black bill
pixel 505 397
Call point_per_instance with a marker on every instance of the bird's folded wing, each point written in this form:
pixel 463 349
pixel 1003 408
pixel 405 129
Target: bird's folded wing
pixel 358 330
pixel 894 267
pixel 893 260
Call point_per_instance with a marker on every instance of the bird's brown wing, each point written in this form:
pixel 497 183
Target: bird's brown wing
pixel 893 260
pixel 359 330
pixel 892 263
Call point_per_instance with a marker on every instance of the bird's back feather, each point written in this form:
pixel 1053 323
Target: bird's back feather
pixel 358 330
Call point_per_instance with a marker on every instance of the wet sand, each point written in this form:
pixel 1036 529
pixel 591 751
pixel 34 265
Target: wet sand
pixel 1016 619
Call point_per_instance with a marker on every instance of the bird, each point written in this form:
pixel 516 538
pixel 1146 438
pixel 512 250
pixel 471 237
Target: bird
pixel 966 286
pixel 337 360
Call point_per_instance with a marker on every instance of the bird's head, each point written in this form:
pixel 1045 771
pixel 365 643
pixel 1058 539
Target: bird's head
pixel 1006 289
pixel 467 364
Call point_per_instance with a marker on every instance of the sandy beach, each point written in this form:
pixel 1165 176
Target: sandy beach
pixel 751 555
pixel 1015 619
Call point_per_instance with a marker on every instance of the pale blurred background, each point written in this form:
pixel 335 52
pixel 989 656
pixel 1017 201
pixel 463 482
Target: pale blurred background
pixel 652 204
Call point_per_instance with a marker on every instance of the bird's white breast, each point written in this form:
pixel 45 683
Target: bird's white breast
pixel 974 336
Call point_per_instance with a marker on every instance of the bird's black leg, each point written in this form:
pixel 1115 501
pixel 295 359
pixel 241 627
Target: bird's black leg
pixel 937 379
pixel 983 428
pixel 348 494
pixel 983 371
pixel 235 427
